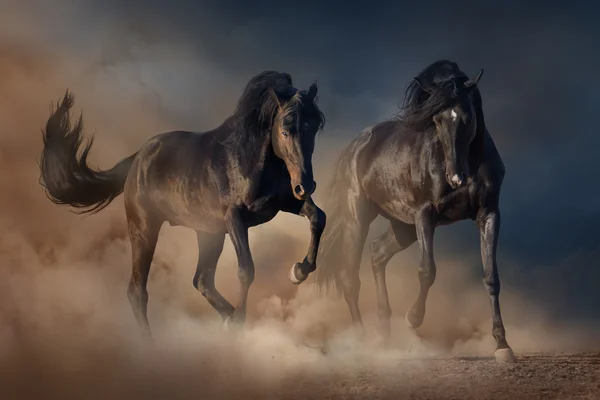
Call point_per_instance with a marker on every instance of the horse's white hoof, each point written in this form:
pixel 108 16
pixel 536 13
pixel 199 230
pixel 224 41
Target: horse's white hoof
pixel 505 356
pixel 293 277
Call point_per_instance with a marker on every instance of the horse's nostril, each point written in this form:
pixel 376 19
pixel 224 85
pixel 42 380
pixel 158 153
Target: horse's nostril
pixel 299 190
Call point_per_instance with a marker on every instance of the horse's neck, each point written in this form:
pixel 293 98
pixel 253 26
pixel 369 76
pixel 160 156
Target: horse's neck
pixel 261 165
pixel 476 149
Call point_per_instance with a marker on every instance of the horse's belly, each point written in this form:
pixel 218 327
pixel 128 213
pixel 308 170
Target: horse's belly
pixel 397 210
pixel 198 223
pixel 258 218
pixel 202 213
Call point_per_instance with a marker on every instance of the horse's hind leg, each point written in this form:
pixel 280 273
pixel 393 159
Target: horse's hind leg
pixel 353 239
pixel 425 227
pixel 396 238
pixel 210 246
pixel 143 233
pixel 238 233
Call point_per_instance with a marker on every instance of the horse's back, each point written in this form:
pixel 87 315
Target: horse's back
pixel 174 173
pixel 363 149
pixel 174 152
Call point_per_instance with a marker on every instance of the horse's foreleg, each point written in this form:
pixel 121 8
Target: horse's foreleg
pixel 489 228
pixel 317 219
pixel 396 238
pixel 210 247
pixel 238 233
pixel 425 227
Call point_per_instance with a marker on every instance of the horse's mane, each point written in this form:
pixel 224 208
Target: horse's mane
pixel 256 110
pixel 430 92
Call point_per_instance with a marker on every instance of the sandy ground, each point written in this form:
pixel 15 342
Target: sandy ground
pixel 534 376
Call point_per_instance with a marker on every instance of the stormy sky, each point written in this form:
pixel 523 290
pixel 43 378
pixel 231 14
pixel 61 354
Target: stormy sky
pixel 540 89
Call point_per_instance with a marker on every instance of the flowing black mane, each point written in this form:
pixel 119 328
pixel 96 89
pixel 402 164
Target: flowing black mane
pixel 434 89
pixel 256 110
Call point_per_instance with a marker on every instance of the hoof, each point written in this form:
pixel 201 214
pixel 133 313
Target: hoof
pixel 505 356
pixel 412 321
pixel 294 278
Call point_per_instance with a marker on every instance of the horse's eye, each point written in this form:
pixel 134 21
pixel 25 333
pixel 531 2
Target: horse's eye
pixel 284 133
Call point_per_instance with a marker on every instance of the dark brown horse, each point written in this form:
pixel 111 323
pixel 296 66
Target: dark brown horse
pixel 241 174
pixel 434 165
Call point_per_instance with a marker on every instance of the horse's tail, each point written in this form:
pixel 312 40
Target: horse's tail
pixel 329 257
pixel 65 175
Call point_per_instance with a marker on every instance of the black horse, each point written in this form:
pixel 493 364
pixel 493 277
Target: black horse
pixel 434 164
pixel 239 175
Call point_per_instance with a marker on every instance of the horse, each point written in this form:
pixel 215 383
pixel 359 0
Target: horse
pixel 432 164
pixel 223 181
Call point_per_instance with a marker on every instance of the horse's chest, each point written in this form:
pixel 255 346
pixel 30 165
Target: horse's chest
pixel 455 206
pixel 265 204
pixel 265 201
pixel 263 209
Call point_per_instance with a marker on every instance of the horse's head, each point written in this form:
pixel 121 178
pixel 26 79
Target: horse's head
pixel 295 127
pixel 456 127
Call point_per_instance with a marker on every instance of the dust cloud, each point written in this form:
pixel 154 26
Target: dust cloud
pixel 66 327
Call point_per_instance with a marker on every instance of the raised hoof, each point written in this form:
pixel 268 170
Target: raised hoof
pixel 413 321
pixel 505 356
pixel 294 278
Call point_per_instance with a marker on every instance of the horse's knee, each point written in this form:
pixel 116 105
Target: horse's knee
pixel 378 255
pixel 196 282
pixel 492 285
pixel 200 285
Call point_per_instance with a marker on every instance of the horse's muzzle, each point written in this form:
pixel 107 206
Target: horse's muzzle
pixel 303 191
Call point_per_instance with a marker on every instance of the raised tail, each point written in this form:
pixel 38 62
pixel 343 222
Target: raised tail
pixel 65 175
pixel 329 257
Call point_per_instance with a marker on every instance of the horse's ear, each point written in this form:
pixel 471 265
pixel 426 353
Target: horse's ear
pixel 312 91
pixel 471 83
pixel 274 97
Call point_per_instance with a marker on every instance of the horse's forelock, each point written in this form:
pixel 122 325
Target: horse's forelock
pixel 437 87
